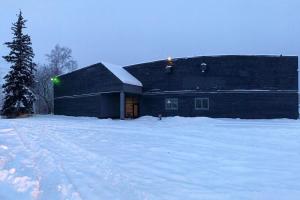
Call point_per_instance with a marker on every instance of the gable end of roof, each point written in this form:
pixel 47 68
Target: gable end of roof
pixel 122 74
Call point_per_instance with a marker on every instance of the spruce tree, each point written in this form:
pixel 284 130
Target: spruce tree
pixel 19 81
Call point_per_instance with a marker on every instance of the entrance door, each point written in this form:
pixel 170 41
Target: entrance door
pixel 135 110
pixel 132 107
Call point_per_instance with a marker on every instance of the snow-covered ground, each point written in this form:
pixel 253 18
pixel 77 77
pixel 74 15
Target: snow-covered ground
pixel 56 157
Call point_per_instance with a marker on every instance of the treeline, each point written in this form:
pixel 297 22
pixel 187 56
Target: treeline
pixel 28 88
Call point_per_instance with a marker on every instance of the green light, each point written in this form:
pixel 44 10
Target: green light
pixel 55 80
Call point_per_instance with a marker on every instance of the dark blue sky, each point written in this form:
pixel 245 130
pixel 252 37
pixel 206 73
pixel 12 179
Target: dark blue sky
pixel 133 31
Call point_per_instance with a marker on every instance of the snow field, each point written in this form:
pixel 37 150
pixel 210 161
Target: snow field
pixel 57 157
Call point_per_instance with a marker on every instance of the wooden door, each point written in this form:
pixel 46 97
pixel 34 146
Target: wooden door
pixel 132 107
pixel 135 110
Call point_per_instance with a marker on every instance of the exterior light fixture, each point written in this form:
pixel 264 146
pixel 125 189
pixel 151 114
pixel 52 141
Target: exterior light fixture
pixel 55 80
pixel 169 65
pixel 203 67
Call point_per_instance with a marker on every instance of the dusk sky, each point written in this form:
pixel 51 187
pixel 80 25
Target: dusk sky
pixel 134 31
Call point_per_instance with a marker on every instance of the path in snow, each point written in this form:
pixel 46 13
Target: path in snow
pixel 52 157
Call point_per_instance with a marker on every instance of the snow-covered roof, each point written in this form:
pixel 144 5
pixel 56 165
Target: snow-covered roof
pixel 122 74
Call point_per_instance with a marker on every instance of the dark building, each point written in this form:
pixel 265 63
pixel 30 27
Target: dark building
pixel 249 87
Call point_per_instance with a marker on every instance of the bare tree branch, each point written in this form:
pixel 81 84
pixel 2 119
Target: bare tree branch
pixel 59 61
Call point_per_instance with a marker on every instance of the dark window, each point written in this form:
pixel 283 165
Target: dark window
pixel 201 104
pixel 171 104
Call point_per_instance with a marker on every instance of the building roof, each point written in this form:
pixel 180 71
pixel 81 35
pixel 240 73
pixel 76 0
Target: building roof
pixel 208 56
pixel 122 74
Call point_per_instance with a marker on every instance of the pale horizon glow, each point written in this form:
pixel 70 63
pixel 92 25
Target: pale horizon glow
pixel 136 31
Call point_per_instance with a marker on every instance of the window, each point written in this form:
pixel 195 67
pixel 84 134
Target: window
pixel 171 104
pixel 201 104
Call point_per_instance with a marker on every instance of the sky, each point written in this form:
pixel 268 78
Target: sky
pixel 135 31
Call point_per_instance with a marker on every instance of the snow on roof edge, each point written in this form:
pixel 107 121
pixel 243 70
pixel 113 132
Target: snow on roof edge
pixel 214 56
pixel 118 71
pixel 122 74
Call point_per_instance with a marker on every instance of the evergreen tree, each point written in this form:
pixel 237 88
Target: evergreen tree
pixel 19 81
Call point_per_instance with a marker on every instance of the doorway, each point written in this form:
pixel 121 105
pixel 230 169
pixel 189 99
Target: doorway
pixel 132 107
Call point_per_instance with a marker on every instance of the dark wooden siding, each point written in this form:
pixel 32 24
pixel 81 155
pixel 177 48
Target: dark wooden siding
pixel 277 76
pixel 226 105
pixel 110 106
pixel 93 79
pixel 84 106
pixel 80 84
pixel 91 91
pixel 101 106
pixel 223 73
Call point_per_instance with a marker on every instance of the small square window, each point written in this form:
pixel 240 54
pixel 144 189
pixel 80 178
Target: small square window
pixel 201 103
pixel 171 104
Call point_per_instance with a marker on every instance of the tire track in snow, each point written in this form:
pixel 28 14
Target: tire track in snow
pixel 28 147
pixel 107 174
pixel 105 171
pixel 35 193
pixel 61 166
pixel 33 159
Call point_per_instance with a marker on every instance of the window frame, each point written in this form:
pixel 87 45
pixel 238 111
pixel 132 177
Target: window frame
pixel 201 99
pixel 167 104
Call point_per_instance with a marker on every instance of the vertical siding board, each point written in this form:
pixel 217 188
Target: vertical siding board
pixel 86 106
pixel 95 78
pixel 224 72
pixel 239 105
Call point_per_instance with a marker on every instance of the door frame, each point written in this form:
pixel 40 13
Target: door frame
pixel 132 101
